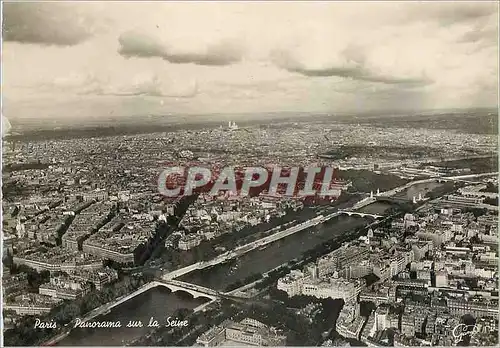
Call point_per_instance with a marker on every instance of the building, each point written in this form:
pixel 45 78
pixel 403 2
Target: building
pixel 13 283
pixel 368 329
pixel 382 317
pixel 119 240
pixel 392 321
pixel 424 275
pixel 359 270
pixel 232 125
pixel 189 241
pixel 63 293
pixel 65 262
pixel 350 329
pixel 488 220
pixel 479 309
pixel 250 331
pixel 376 297
pixel 441 279
pixel 95 196
pixel 31 304
pixel 64 288
pixel 292 283
pixel 342 257
pixel 21 309
pixel 382 271
pixel 247 332
pixel 297 283
pixel 213 337
pixel 99 277
pixel 472 191
pixel 464 200
pixel 399 262
pixel 112 252
pixel 71 242
pixel 408 324
pixel 335 288
pixel 420 249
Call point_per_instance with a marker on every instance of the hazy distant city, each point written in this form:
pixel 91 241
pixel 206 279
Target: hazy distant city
pixel 405 253
pixel 407 249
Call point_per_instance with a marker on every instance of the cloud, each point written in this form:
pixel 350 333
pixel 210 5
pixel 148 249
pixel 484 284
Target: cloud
pixel 140 84
pixel 135 44
pixel 447 13
pixel 46 23
pixel 151 85
pixel 481 32
pixel 248 56
pixel 349 67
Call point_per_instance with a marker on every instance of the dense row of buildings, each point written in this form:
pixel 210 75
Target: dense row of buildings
pixel 246 332
pixel 76 266
pixel 452 272
pixel 340 273
pixel 210 217
pixel 58 213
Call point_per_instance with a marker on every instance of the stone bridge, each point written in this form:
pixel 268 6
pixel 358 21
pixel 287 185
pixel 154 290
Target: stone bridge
pixel 192 289
pixel 196 290
pixel 357 213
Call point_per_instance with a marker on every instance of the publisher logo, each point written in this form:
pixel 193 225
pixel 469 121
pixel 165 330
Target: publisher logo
pixel 461 331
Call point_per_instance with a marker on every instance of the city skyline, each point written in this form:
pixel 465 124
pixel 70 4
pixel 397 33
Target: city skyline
pixel 195 58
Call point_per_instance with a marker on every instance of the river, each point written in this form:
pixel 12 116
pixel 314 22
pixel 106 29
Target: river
pixel 376 208
pixel 263 260
pixel 161 303
pixel 414 190
pixel 158 302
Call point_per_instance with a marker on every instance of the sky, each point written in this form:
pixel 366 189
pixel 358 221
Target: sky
pixel 92 59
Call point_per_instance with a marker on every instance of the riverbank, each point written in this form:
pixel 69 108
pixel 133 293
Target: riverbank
pixel 101 310
pixel 264 261
pixel 272 275
pixel 157 302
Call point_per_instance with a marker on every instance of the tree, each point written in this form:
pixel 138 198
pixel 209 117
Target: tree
pixel 477 211
pixel 491 201
pixel 490 187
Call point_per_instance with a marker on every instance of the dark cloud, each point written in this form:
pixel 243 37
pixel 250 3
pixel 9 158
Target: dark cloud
pixel 151 93
pixel 359 74
pixel 485 36
pixel 449 13
pixel 456 12
pixel 44 23
pixel 352 69
pixel 133 44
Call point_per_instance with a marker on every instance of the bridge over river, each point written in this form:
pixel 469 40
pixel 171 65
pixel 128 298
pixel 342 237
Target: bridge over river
pixel 175 286
pixel 168 277
pixel 241 250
